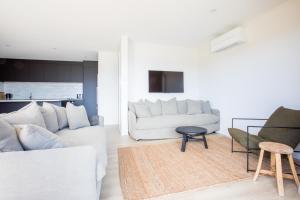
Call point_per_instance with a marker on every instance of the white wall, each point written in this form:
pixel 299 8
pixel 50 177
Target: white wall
pixel 108 87
pixel 253 79
pixel 145 56
pixel 123 86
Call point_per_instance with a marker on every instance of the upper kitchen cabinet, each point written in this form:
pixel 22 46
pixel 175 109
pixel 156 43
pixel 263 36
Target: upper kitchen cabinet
pixel 40 71
pixel 76 72
pixel 36 71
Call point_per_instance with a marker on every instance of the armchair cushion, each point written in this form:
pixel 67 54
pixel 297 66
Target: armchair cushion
pixel 282 117
pixel 241 137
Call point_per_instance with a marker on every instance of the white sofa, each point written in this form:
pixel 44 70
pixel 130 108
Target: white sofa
pixel 71 173
pixel 163 126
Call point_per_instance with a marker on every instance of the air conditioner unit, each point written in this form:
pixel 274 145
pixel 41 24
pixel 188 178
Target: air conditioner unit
pixel 231 38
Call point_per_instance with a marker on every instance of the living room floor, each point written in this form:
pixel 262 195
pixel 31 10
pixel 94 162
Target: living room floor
pixel 264 188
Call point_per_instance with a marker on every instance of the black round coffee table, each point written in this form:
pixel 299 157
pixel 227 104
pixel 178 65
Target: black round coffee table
pixel 189 132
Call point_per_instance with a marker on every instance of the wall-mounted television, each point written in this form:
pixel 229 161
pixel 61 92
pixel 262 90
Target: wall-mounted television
pixel 166 82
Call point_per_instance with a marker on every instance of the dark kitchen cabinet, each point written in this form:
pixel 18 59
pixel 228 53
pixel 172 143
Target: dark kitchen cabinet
pixel 36 71
pixel 40 70
pixel 76 72
pixel 20 70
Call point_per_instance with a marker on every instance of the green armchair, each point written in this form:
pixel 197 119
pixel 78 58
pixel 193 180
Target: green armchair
pixel 283 126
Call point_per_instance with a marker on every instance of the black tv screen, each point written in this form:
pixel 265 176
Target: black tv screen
pixel 166 82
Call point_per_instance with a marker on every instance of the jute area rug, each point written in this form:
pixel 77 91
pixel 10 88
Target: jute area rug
pixel 151 170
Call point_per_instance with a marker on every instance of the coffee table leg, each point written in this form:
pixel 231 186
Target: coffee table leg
pixel 205 142
pixel 184 140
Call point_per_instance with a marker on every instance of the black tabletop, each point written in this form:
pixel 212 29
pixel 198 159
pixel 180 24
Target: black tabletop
pixel 191 130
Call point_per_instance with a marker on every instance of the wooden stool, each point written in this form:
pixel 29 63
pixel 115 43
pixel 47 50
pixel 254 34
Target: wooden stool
pixel 276 149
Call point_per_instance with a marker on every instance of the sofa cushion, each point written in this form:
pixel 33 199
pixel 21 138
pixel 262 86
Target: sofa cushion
pixel 173 121
pixel 131 105
pixel 34 137
pixel 154 107
pixel 206 108
pixel 282 117
pixel 61 114
pixel 8 138
pixel 182 107
pixel 50 117
pixel 92 136
pixel 142 110
pixel 194 107
pixel 30 114
pixel 77 117
pixel 169 107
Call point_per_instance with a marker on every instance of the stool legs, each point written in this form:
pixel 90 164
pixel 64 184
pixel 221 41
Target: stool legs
pixel 292 165
pixel 261 156
pixel 279 174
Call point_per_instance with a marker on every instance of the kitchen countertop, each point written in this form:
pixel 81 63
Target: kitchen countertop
pixel 29 100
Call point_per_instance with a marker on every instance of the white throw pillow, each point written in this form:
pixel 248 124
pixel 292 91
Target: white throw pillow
pixel 8 138
pixel 194 107
pixel 154 107
pixel 34 137
pixel 77 117
pixel 131 105
pixel 206 108
pixel 50 117
pixel 182 107
pixel 142 110
pixel 61 114
pixel 169 107
pixel 29 114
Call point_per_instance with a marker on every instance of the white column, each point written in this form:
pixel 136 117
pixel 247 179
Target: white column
pixel 108 86
pixel 123 86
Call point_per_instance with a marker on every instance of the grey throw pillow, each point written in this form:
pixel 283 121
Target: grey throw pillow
pixel 61 114
pixel 155 108
pixel 182 107
pixel 8 138
pixel 29 114
pixel 194 107
pixel 169 107
pixel 206 107
pixel 34 137
pixel 142 110
pixel 50 117
pixel 77 117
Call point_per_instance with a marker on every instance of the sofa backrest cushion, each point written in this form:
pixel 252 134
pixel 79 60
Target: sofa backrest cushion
pixel 283 117
pixel 142 110
pixel 194 107
pixel 34 137
pixel 206 108
pixel 77 116
pixel 131 105
pixel 30 114
pixel 154 107
pixel 50 117
pixel 182 107
pixel 169 107
pixel 8 138
pixel 62 118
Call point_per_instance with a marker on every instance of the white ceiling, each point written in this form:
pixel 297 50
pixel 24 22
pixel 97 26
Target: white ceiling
pixel 77 29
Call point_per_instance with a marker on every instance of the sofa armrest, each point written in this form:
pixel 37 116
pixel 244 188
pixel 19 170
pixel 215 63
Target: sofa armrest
pixel 131 121
pixel 65 173
pixel 216 112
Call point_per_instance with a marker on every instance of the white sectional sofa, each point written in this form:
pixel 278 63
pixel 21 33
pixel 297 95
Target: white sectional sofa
pixel 147 121
pixel 74 172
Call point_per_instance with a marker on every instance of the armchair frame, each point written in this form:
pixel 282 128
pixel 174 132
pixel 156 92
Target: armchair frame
pixel 248 149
